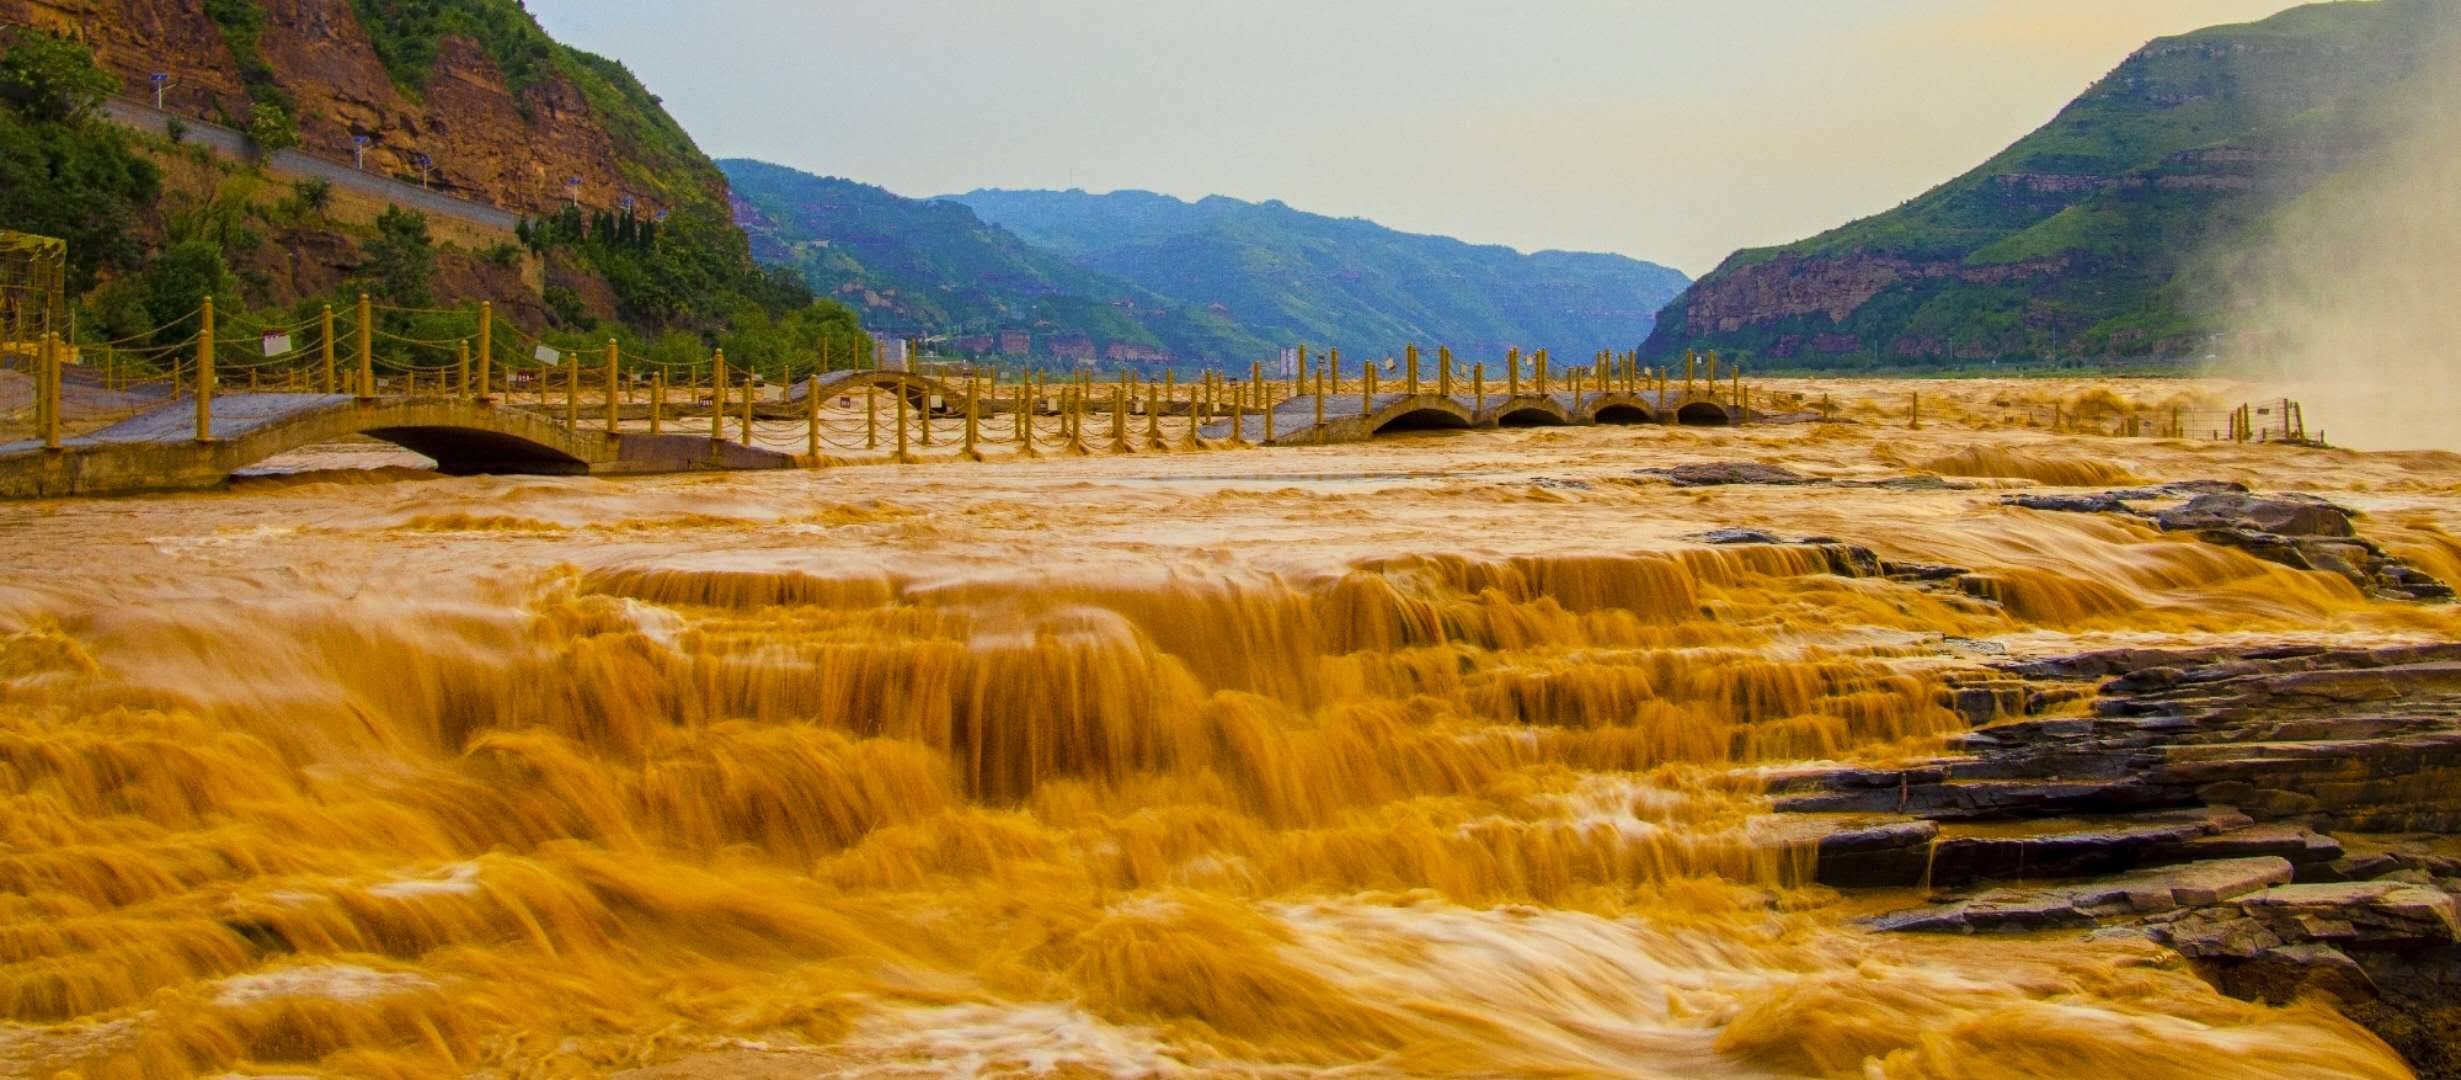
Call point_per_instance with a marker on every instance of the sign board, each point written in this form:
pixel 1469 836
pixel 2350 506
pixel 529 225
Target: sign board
pixel 548 356
pixel 276 343
pixel 1290 363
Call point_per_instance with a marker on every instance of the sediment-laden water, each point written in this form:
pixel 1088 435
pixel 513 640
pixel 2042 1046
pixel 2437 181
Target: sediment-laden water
pixel 1438 756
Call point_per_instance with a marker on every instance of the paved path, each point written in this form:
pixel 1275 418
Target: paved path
pixel 232 144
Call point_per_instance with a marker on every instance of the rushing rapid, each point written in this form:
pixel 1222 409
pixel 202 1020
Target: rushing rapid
pixel 1443 755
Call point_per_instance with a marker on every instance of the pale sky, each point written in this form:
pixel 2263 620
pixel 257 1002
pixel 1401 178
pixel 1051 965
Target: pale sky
pixel 1669 130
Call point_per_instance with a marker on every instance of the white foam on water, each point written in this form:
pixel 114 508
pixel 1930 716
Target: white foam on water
pixel 461 880
pixel 1033 1039
pixel 337 982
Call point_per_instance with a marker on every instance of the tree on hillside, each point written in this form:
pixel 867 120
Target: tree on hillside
pixel 52 80
pixel 159 300
pixel 63 172
pixel 401 260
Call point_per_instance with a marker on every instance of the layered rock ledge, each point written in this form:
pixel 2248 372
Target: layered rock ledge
pixel 2288 819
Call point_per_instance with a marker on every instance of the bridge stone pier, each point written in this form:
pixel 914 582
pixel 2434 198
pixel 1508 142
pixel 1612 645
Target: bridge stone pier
pixel 159 450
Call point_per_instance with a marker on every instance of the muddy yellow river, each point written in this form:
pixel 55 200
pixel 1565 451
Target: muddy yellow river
pixel 1436 756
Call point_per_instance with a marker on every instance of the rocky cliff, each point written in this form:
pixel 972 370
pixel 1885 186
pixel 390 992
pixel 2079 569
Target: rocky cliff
pixel 2101 235
pixel 511 139
pixel 629 228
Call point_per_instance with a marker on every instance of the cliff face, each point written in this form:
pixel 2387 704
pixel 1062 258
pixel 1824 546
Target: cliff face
pixel 2097 236
pixel 488 141
pixel 504 113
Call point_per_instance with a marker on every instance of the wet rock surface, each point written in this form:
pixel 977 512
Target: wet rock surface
pixel 2300 531
pixel 2281 515
pixel 1724 473
pixel 2288 819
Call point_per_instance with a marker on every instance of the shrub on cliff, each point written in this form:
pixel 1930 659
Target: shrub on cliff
pixel 271 129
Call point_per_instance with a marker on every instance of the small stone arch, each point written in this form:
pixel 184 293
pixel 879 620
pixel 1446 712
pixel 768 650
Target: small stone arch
pixel 1624 412
pixel 1426 417
pixel 1703 414
pixel 1529 416
pixel 462 451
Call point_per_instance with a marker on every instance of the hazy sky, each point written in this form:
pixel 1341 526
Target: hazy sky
pixel 1670 130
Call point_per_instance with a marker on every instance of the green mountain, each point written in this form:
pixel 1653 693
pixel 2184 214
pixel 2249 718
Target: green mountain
pixel 469 97
pixel 932 268
pixel 2111 232
pixel 1293 276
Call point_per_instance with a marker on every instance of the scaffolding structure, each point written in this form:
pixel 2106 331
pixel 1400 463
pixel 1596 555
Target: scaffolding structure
pixel 33 319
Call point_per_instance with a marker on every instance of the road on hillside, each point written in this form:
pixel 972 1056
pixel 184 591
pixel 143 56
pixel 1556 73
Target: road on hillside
pixel 230 143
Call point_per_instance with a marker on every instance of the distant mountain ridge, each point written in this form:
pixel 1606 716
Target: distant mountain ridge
pixel 1140 277
pixel 1299 276
pixel 2106 234
pixel 931 267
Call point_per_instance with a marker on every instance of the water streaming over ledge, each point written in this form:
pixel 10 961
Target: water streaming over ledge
pixel 1064 770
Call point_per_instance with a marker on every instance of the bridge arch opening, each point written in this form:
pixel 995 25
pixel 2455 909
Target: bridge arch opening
pixel 468 451
pixel 1424 419
pixel 1529 416
pixel 1625 413
pixel 1703 414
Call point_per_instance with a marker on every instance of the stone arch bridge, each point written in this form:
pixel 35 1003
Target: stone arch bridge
pixel 1354 418
pixel 159 450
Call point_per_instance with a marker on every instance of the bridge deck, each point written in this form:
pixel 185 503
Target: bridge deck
pixel 235 415
pixel 159 449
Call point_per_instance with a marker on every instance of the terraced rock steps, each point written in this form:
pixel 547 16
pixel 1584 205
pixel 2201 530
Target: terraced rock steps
pixel 2287 818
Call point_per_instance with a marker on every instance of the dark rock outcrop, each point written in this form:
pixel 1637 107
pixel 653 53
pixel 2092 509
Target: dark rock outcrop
pixel 2281 515
pixel 2073 504
pixel 1723 473
pixel 2283 817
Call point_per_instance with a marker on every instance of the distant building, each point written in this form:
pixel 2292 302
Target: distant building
pixel 1074 347
pixel 975 345
pixel 1121 352
pixel 1016 343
